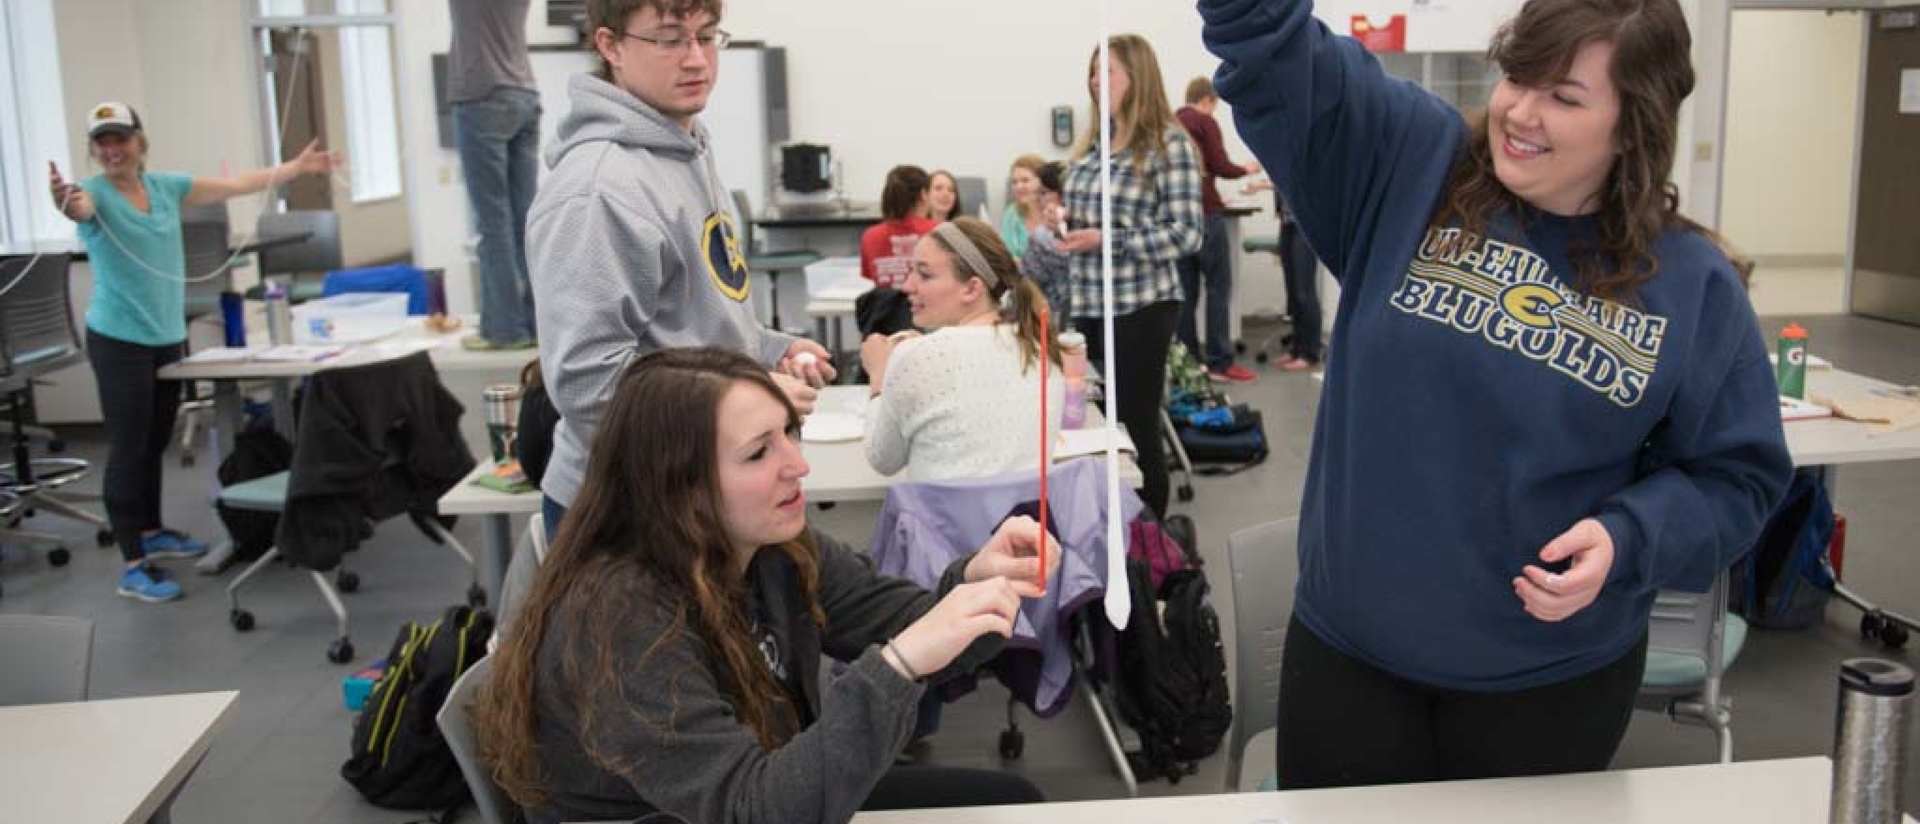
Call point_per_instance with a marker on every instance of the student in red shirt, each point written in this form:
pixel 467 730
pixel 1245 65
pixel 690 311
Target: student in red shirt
pixel 886 248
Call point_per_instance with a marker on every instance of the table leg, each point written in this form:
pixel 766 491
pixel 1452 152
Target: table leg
pixel 1233 269
pixel 496 548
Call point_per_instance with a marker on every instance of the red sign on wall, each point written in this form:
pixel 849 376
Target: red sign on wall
pixel 1391 37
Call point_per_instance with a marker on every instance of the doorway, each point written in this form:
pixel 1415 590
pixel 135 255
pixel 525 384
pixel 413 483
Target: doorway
pixel 1886 250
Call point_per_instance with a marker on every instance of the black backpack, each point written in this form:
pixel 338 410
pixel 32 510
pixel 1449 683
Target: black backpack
pixel 1173 670
pixel 400 760
pixel 258 451
pixel 1785 582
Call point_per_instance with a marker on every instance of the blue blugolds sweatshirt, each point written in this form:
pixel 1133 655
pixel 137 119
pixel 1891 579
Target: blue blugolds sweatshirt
pixel 1477 404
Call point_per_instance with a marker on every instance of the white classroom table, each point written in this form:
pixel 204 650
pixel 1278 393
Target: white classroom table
pixel 839 472
pixel 104 762
pixel 1787 791
pixel 1830 442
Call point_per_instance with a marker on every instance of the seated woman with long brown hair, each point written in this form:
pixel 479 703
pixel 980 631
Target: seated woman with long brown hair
pixel 667 658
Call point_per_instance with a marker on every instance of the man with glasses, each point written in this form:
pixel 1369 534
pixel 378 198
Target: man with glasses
pixel 631 242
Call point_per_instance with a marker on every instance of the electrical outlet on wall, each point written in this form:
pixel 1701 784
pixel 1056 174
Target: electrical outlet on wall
pixel 446 174
pixel 1702 152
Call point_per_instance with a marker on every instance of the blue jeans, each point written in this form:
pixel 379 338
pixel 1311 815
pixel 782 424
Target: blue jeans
pixel 1302 272
pixel 499 141
pixel 551 511
pixel 1212 268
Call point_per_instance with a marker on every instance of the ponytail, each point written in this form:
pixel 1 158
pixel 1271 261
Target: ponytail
pixel 1028 300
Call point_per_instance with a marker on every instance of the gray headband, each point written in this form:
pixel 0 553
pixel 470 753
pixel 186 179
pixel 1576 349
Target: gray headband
pixel 963 246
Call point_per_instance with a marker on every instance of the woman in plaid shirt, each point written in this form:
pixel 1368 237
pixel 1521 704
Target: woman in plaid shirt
pixel 1156 221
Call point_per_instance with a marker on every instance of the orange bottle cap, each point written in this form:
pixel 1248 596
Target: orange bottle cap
pixel 1794 332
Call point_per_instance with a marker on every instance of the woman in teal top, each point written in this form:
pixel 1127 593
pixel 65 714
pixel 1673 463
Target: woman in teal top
pixel 1022 216
pixel 129 219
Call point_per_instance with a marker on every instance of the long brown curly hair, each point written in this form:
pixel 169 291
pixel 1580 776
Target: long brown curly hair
pixel 645 533
pixel 1652 72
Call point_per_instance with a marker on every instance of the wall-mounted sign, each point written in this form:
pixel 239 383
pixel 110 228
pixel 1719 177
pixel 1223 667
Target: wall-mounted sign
pixel 1390 38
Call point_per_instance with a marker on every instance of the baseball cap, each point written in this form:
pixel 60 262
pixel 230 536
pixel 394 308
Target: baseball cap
pixel 112 117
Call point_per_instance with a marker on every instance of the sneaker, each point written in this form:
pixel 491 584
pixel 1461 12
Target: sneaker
pixel 170 543
pixel 1232 374
pixel 147 583
pixel 476 343
pixel 1293 364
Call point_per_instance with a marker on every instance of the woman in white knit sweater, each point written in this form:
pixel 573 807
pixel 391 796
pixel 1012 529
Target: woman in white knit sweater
pixel 962 401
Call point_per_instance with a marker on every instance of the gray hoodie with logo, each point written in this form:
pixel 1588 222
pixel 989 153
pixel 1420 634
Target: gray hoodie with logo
pixel 631 247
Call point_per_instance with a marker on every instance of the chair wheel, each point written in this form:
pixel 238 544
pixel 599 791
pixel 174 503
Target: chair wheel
pixel 56 445
pixel 476 597
pixel 103 537
pixel 340 651
pixel 59 557
pixel 1184 493
pixel 186 459
pixel 1893 634
pixel 241 620
pixel 1870 623
pixel 1012 744
pixel 1260 357
pixel 347 581
pixel 1239 347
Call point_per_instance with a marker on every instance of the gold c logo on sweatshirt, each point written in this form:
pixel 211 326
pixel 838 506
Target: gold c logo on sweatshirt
pixel 726 264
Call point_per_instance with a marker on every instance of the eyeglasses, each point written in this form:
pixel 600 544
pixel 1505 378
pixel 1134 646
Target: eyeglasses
pixel 678 42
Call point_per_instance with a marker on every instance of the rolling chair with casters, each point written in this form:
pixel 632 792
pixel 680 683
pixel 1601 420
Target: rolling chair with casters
pixel 38 336
pixel 1271 246
pixel 1266 565
pixel 307 261
pixel 48 659
pixel 333 395
pixel 1691 641
pixel 204 231
pixel 773 264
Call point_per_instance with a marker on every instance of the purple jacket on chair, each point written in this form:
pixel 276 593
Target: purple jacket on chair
pixel 924 527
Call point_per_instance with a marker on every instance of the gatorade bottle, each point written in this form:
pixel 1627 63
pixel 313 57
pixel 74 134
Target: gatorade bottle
pixel 1791 371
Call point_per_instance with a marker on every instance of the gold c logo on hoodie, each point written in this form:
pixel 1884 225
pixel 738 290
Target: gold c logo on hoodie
pixel 726 264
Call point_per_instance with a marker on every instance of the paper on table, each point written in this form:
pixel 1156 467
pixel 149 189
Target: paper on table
pixel 222 354
pixel 1074 443
pixel 297 353
pixel 1883 416
pixel 1795 409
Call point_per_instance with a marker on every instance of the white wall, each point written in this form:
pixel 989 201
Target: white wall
pixel 1792 93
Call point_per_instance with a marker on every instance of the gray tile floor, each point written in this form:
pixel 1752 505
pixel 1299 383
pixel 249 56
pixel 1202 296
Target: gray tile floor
pixel 279 758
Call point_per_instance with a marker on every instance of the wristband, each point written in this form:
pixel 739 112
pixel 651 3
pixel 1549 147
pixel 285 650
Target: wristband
pixel 902 659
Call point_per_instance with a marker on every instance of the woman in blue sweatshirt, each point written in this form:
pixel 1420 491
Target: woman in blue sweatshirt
pixel 1547 396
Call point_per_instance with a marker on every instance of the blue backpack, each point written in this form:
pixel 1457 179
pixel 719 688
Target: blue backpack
pixel 1785 582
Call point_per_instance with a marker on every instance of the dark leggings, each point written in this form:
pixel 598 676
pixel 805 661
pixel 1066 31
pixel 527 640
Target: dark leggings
pixel 1344 723
pixel 1141 340
pixel 915 788
pixel 139 410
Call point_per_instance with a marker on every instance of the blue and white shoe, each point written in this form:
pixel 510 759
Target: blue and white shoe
pixel 169 543
pixel 148 583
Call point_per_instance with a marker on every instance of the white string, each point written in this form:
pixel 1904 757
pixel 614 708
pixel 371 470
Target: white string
pixel 1119 599
pixel 273 180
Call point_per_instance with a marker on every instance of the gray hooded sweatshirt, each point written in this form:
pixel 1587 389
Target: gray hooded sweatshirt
pixel 631 248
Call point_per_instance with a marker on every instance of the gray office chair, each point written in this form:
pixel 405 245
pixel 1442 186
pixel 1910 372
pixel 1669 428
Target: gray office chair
pixel 772 264
pixel 204 232
pixel 518 583
pixel 1691 640
pixel 47 659
pixel 308 261
pixel 1266 566
pixel 494 805
pixel 38 336
pixel 973 197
